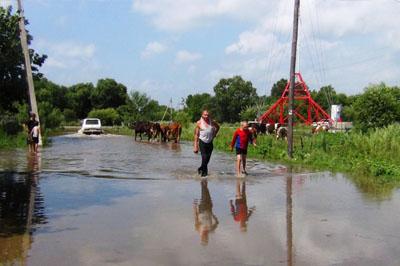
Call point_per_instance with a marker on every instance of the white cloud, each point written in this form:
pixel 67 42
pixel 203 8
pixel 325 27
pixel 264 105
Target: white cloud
pixel 68 62
pixel 5 3
pixel 178 15
pixel 67 49
pixel 153 48
pixel 186 57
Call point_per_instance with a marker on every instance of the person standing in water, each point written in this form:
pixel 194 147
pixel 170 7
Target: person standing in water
pixel 30 124
pixel 240 141
pixel 204 134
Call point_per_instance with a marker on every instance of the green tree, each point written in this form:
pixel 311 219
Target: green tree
pixel 108 116
pixel 377 107
pixel 47 91
pixel 13 86
pixel 50 116
pixel 109 94
pixel 195 105
pixel 232 95
pixel 278 88
pixel 79 99
pixel 141 107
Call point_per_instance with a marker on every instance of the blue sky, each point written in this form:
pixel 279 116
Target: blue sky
pixel 173 48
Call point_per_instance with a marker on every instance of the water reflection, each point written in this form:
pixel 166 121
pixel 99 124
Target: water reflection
pixel 240 212
pixel 205 220
pixel 21 207
pixel 289 219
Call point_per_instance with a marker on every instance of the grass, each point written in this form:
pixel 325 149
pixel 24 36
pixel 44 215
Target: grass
pixel 12 141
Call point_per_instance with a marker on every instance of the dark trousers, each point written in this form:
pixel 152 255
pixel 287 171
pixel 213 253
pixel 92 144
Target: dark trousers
pixel 206 151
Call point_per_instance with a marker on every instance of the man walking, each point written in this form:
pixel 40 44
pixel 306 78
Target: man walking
pixel 204 134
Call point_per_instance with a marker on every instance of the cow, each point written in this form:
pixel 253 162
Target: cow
pixel 155 131
pixel 319 128
pixel 259 128
pixel 142 127
pixel 281 133
pixel 164 132
pixel 270 128
pixel 175 131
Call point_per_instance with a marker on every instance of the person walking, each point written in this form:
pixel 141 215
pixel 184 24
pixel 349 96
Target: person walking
pixel 204 134
pixel 240 141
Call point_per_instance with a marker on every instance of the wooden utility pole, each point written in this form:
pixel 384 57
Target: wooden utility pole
pixel 28 69
pixel 292 77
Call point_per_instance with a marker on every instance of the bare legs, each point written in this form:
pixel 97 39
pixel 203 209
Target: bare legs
pixel 240 161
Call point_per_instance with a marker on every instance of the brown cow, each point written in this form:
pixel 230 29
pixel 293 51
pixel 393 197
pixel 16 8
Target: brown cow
pixel 175 131
pixel 164 130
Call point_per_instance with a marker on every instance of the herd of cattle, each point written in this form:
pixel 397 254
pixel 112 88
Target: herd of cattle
pixel 172 131
pixel 281 130
pixel 277 129
pixel 157 131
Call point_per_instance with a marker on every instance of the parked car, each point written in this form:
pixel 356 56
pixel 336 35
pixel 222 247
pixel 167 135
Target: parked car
pixel 91 126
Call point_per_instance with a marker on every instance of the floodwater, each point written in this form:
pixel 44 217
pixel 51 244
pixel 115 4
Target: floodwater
pixel 107 200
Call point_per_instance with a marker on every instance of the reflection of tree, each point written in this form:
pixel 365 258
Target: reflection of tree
pixel 21 207
pixel 240 212
pixel 205 220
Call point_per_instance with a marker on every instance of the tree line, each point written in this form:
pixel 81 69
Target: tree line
pixel 233 99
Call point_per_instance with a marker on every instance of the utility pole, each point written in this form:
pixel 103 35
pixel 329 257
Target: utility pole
pixel 292 76
pixel 29 78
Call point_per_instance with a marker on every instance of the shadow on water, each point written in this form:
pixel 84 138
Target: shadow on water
pixel 21 209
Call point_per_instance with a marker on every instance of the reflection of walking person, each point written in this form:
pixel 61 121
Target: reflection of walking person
pixel 240 212
pixel 240 140
pixel 205 220
pixel 204 134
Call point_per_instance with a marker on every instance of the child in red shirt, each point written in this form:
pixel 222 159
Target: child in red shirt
pixel 240 140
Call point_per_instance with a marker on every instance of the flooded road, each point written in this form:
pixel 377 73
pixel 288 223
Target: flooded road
pixel 107 200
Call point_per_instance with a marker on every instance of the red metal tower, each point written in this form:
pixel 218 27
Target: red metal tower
pixel 278 111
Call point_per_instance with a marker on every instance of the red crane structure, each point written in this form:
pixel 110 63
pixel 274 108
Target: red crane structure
pixel 278 111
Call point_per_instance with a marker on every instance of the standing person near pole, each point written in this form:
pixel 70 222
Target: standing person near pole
pixel 30 124
pixel 204 134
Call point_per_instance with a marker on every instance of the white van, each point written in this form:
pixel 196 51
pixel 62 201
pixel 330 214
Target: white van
pixel 91 126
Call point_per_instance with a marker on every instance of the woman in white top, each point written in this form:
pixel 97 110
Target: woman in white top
pixel 204 134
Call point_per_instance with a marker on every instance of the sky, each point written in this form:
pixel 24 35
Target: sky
pixel 169 49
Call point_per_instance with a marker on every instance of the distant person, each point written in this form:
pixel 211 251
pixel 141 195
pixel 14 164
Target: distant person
pixel 205 220
pixel 204 134
pixel 35 137
pixel 30 124
pixel 241 139
pixel 240 212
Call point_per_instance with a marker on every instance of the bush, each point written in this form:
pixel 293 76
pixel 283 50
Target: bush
pixel 108 116
pixel 9 124
pixel 50 116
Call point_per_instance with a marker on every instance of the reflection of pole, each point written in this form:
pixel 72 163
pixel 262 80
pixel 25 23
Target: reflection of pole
pixel 292 77
pixel 29 78
pixel 289 219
